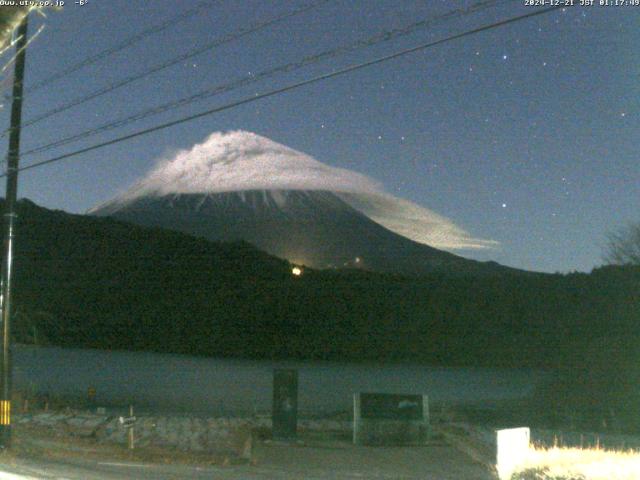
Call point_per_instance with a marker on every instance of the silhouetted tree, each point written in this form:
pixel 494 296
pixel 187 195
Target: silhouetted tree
pixel 623 247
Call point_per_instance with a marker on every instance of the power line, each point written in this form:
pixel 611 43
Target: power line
pixel 175 60
pixel 128 42
pixel 287 88
pixel 384 36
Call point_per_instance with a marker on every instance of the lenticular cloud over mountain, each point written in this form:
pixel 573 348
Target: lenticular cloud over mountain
pixel 244 163
pixel 238 161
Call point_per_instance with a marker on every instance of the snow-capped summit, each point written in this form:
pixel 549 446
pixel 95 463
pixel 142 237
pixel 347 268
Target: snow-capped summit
pixel 242 186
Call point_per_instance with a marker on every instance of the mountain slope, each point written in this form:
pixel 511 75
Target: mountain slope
pixel 314 228
pixel 83 281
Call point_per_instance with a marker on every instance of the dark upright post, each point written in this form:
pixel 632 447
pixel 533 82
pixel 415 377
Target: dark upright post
pixel 285 404
pixel 9 224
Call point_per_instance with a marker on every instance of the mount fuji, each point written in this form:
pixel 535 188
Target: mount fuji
pixel 242 186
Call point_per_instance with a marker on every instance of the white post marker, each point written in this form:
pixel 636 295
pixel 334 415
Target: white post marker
pixel 512 446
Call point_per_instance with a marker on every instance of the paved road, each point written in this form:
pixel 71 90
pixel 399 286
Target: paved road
pixel 336 461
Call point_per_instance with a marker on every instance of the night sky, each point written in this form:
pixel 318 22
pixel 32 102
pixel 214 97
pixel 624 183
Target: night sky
pixel 526 134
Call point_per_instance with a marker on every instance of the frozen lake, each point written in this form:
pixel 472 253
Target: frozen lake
pixel 204 386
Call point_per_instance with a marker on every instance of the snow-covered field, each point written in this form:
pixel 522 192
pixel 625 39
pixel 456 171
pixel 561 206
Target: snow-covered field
pixel 178 383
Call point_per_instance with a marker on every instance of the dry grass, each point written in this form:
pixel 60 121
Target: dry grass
pixel 563 463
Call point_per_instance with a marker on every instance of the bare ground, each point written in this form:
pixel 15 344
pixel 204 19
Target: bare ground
pixel 40 454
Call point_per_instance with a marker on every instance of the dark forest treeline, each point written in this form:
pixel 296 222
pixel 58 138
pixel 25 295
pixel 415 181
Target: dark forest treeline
pixel 95 282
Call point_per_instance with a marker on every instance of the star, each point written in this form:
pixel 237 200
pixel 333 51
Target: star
pixel 623 114
pixel 504 57
pixel 504 205
pixel 544 64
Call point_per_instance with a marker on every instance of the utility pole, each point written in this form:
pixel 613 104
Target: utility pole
pixel 9 225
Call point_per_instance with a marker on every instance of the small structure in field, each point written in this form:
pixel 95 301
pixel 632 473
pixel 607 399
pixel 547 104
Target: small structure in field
pixel 390 419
